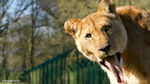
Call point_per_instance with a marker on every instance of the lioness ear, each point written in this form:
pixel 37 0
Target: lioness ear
pixel 107 6
pixel 72 25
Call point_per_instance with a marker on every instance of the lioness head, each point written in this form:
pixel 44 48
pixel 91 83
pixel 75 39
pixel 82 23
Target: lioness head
pixel 100 36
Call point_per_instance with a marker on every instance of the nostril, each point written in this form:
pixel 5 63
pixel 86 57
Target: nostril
pixel 105 49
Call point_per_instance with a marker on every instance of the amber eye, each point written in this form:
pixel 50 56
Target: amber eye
pixel 106 28
pixel 88 35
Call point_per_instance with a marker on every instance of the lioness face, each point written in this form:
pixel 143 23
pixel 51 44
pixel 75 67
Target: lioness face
pixel 101 37
pixel 98 35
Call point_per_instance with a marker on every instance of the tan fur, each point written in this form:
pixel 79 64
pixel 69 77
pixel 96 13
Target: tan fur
pixel 129 34
pixel 136 57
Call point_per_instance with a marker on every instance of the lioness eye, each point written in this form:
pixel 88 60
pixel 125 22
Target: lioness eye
pixel 106 28
pixel 88 35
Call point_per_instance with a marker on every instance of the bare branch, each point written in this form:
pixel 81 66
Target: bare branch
pixel 3 26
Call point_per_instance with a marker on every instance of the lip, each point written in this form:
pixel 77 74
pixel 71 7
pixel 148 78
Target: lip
pixel 112 63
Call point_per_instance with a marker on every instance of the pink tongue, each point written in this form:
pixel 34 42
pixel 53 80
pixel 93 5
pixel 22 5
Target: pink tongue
pixel 113 64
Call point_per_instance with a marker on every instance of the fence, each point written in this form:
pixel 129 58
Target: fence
pixel 65 70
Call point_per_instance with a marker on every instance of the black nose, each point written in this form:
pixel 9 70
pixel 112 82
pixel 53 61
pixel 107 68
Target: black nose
pixel 105 49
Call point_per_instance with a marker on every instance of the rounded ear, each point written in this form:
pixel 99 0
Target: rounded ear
pixel 107 6
pixel 72 26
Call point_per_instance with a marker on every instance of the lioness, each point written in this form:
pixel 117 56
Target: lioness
pixel 118 39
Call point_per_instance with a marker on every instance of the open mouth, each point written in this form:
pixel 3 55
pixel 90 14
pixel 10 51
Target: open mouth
pixel 112 63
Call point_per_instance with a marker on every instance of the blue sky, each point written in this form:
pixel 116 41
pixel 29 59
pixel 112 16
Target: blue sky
pixel 13 7
pixel 15 4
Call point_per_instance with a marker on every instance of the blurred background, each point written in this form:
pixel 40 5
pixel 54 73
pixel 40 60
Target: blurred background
pixel 34 48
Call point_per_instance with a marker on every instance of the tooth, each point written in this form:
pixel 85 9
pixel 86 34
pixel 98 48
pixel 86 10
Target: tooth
pixel 99 60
